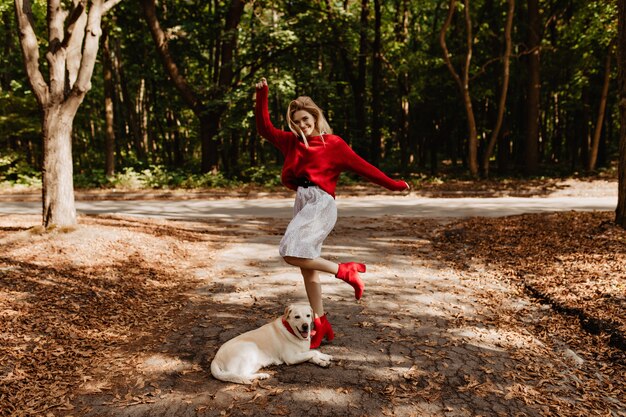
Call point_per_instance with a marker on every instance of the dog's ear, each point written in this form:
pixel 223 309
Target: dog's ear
pixel 287 311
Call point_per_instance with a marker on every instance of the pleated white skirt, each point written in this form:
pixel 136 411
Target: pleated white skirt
pixel 314 216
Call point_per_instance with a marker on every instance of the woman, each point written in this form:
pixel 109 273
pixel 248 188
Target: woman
pixel 314 158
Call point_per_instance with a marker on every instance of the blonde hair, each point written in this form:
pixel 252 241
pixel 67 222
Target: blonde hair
pixel 305 103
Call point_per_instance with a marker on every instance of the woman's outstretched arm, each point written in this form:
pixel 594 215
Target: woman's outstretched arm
pixel 353 162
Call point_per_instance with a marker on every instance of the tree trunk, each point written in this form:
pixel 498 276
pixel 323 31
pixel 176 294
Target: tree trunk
pixel 109 95
pixel 557 135
pixel 359 85
pixel 463 82
pixel 595 141
pixel 356 76
pixel 620 211
pixel 404 115
pixel 531 148
pixel 376 141
pixel 57 174
pixel 224 77
pixel 209 128
pixel 5 76
pixel 74 38
pixel 505 87
pixel 187 93
pixel 179 155
pixel 130 112
pixel 229 43
pixel 403 133
pixel 584 139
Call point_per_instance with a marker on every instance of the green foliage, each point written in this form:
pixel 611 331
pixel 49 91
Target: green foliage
pixel 262 175
pixel 19 116
pixel 314 48
pixel 153 177
pixel 15 171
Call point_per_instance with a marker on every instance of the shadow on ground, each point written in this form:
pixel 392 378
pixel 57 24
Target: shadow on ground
pixel 424 341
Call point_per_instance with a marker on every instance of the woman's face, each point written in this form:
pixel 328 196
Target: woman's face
pixel 306 122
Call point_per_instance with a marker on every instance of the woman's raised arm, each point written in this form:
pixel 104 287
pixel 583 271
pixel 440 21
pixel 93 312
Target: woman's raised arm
pixel 264 126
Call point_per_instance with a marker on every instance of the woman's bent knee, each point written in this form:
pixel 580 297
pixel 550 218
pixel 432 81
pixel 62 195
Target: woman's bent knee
pixel 292 260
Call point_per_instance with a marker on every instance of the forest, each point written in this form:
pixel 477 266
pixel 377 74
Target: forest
pixel 141 212
pixel 430 88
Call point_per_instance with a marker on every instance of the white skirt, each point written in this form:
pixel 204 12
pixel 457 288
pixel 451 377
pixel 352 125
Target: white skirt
pixel 314 216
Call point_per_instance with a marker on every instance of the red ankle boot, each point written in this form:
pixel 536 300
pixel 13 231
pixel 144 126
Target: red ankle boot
pixel 323 329
pixel 349 272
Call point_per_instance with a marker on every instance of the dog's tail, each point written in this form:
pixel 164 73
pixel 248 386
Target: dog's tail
pixel 222 375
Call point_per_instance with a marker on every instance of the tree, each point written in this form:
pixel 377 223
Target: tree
pixel 377 63
pixel 463 81
pixel 504 89
pixel 531 145
pixel 595 141
pixel 620 211
pixel 109 96
pixel 375 67
pixel 209 111
pixel 355 68
pixel 73 38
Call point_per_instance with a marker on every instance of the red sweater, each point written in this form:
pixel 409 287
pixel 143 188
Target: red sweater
pixel 322 162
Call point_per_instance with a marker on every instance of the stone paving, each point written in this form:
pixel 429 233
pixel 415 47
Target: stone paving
pixel 426 340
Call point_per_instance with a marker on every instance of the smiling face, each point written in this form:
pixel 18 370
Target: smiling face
pixel 306 122
pixel 300 317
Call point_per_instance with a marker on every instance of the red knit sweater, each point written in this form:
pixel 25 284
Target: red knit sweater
pixel 322 162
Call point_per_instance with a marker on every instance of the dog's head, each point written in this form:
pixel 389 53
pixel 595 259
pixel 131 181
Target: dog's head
pixel 299 317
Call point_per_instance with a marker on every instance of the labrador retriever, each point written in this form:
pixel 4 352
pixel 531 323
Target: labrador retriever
pixel 284 340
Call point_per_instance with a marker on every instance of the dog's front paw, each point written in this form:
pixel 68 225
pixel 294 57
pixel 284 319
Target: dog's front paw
pixel 261 375
pixel 322 359
pixel 325 357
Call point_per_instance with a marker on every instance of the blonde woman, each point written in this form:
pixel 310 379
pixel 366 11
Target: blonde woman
pixel 314 158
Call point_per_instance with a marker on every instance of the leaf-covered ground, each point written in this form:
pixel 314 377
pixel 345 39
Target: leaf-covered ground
pixel 121 317
pixel 70 301
pixel 576 261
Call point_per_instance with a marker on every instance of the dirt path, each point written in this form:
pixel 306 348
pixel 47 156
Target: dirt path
pixel 426 340
pixel 372 206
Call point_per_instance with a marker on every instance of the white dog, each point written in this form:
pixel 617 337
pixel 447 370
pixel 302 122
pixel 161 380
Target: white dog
pixel 284 340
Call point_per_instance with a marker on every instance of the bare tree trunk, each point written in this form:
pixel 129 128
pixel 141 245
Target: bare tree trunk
pixel 109 94
pixel 224 77
pixel 5 76
pixel 531 148
pixel 130 112
pixel 359 85
pixel 402 34
pixel 73 37
pixel 620 211
pixel 356 76
pixel 141 107
pixel 375 140
pixel 505 87
pixel 595 141
pixel 557 135
pixel 58 184
pixel 187 93
pixel 463 82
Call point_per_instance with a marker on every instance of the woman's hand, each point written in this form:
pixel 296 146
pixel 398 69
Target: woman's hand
pixel 261 84
pixel 408 187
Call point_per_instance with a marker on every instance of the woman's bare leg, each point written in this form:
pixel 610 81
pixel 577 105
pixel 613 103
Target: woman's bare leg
pixel 317 264
pixel 313 287
pixel 348 272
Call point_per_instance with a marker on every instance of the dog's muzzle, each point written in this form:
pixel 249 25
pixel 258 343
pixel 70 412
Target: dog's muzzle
pixel 305 331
